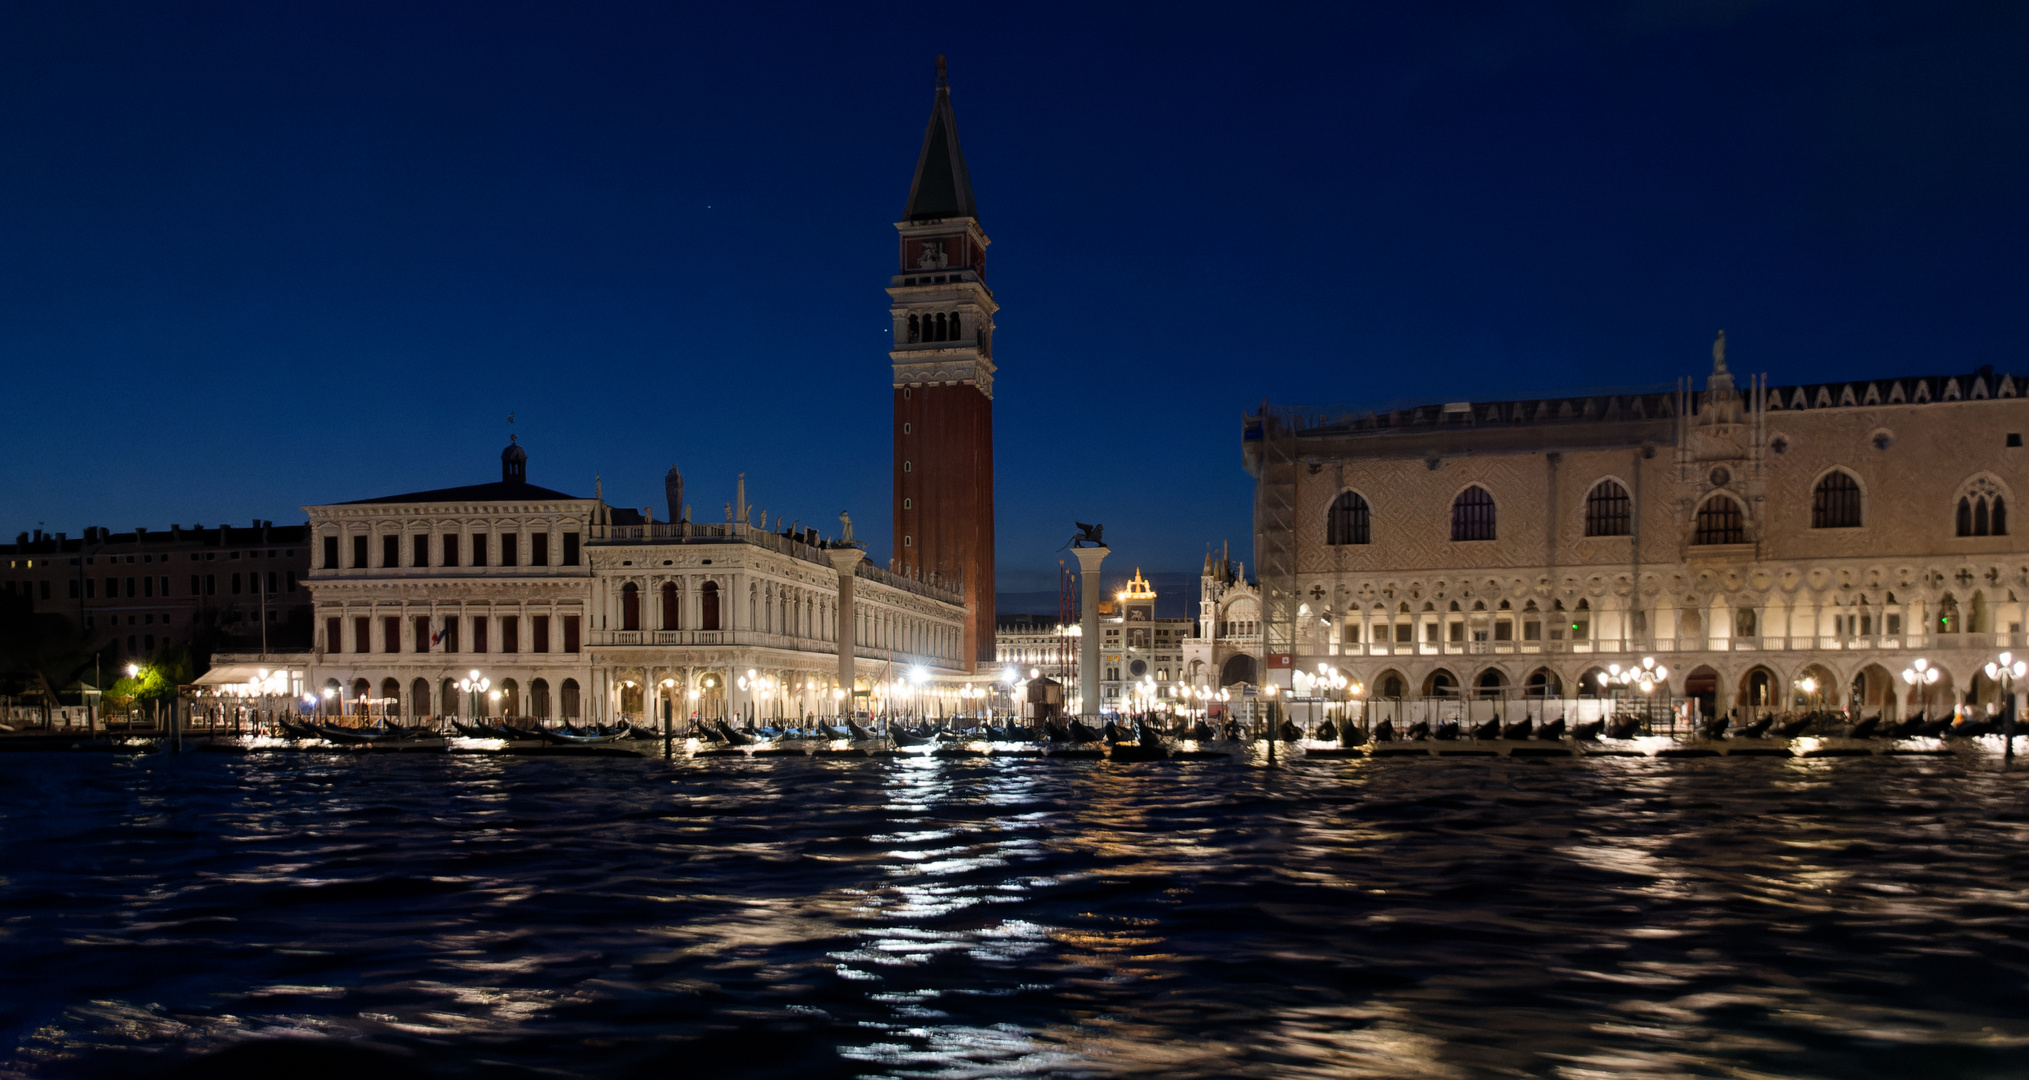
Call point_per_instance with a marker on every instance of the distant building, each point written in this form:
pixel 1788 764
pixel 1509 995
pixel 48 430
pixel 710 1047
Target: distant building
pixel 571 609
pixel 1141 656
pixel 1226 652
pixel 135 593
pixel 1772 546
pixel 1036 646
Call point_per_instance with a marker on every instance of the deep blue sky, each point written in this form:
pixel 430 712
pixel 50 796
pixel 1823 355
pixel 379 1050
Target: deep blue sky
pixel 256 256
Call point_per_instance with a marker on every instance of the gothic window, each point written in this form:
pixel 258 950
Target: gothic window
pixel 1835 503
pixel 1472 515
pixel 1720 522
pixel 1348 521
pixel 1607 510
pixel 1982 510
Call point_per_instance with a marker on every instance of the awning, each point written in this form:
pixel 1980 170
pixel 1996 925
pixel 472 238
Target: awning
pixel 239 674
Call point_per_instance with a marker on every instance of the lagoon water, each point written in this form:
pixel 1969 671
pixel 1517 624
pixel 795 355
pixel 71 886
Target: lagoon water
pixel 385 915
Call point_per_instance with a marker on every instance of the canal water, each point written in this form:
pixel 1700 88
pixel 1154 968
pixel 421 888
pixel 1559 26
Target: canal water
pixel 380 916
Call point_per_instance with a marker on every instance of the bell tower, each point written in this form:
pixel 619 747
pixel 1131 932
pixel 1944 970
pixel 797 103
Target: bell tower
pixel 943 381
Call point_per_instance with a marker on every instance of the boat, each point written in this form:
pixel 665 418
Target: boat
pixel 1384 731
pixel 1202 732
pixel 1445 731
pixel 1588 730
pixel 1790 729
pixel 1233 732
pixel 1968 728
pixel 857 733
pixel 1937 727
pixel 1117 734
pixel 474 731
pixel 1290 732
pixel 1328 731
pixel 1521 730
pixel 1352 736
pixel 733 735
pixel 1551 729
pixel 1624 727
pixel 565 738
pixel 1489 729
pixel 1715 728
pixel 1757 729
pixel 1056 732
pixel 1082 734
pixel 1864 729
pixel 904 737
pixel 368 736
pixel 294 730
pixel 1419 731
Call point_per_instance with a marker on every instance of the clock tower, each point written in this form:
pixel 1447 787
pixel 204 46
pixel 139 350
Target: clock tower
pixel 943 382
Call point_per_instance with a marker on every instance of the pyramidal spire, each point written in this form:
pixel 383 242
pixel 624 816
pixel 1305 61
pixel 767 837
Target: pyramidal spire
pixel 942 187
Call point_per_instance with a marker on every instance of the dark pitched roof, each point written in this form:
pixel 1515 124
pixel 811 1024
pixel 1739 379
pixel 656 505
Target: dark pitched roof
pixel 498 491
pixel 942 187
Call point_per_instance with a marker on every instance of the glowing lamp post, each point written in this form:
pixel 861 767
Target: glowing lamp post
pixel 2007 669
pixel 1921 673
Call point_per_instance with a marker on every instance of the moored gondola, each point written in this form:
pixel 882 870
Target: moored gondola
pixel 1056 732
pixel 901 736
pixel 1624 727
pixel 1551 729
pixel 858 733
pixel 297 731
pixel 1758 728
pixel 1489 729
pixel 1201 731
pixel 1715 728
pixel 1864 729
pixel 1521 729
pixel 1445 730
pixel 1080 733
pixel 564 738
pixel 1117 734
pixel 1328 731
pixel 733 736
pixel 1588 730
pixel 1967 727
pixel 368 736
pixel 1233 731
pixel 1935 728
pixel 1419 731
pixel 1793 727
pixel 1290 732
pixel 1385 731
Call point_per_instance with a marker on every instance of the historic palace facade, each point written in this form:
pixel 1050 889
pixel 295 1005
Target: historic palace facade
pixel 1773 547
pixel 570 608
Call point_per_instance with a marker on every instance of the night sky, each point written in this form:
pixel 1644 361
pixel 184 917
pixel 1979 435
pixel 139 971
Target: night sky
pixel 259 256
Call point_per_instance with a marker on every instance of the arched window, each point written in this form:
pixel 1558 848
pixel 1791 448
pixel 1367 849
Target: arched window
pixel 539 699
pixel 1347 522
pixel 1608 511
pixel 630 607
pixel 670 610
pixel 1392 686
pixel 937 332
pixel 915 329
pixel 569 694
pixel 391 694
pixel 1490 683
pixel 419 698
pixel 1441 684
pixel 708 605
pixel 956 328
pixel 1472 515
pixel 510 698
pixel 1719 522
pixel 1982 510
pixel 1835 503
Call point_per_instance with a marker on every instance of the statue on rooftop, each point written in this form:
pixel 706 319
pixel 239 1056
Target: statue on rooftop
pixel 845 522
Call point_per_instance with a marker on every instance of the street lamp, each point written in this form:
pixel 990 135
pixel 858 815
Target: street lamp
pixel 473 686
pixel 1920 671
pixel 2007 669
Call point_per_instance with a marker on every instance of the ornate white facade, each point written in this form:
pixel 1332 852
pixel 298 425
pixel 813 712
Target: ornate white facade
pixel 1771 546
pixel 570 608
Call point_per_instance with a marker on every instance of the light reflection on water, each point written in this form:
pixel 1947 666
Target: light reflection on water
pixel 1624 917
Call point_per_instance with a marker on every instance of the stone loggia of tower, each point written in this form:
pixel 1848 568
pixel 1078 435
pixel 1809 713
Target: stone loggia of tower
pixel 943 381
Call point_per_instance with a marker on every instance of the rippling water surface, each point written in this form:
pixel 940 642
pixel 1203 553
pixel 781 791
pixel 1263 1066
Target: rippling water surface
pixel 388 915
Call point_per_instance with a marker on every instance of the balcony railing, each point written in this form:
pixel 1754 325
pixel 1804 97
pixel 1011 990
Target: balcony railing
pixel 1646 645
pixel 751 639
pixel 735 533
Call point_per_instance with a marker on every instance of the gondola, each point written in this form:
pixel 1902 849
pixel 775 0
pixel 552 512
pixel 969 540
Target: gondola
pixel 368 736
pixel 1056 732
pixel 858 733
pixel 1905 728
pixel 473 731
pixel 905 737
pixel 1352 736
pixel 1117 734
pixel 1233 732
pixel 1419 731
pixel 1445 731
pixel 1487 729
pixel 1624 727
pixel 1551 729
pixel 1969 728
pixel 1790 729
pixel 1520 730
pixel 298 731
pixel 1385 731
pixel 1083 734
pixel 1202 732
pixel 1935 728
pixel 1328 731
pixel 1290 732
pixel 733 735
pixel 1715 728
pixel 1588 730
pixel 1757 729
pixel 564 738
pixel 1864 729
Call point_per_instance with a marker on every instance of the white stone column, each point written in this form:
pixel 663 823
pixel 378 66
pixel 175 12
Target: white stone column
pixel 1089 559
pixel 845 560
